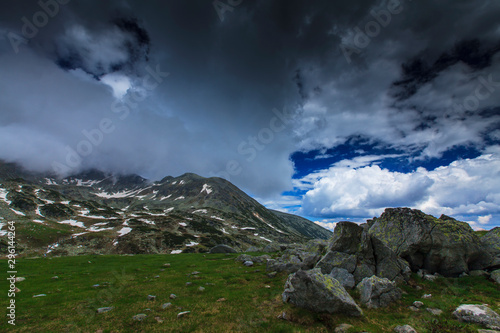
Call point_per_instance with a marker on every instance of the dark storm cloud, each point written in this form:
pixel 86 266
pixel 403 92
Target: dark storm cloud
pixel 226 77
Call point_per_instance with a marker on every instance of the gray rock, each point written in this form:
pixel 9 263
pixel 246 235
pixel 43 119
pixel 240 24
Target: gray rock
pixel 55 277
pixel 139 317
pixel 221 248
pixel 151 297
pixel 443 245
pixel 272 274
pixel 183 314
pixel 435 312
pixel 105 309
pixel 271 248
pixel 173 296
pixel 404 329
pixel 487 331
pixel 248 263
pixel 189 283
pixel 491 242
pixel 418 304
pixel 19 279
pixel 345 278
pixel 320 293
pixel 430 277
pixel 166 305
pixel 479 273
pixel 413 308
pixel 253 249
pixel 201 289
pixel 478 314
pixel 343 328
pixel 378 292
pixel 362 255
pixel 495 276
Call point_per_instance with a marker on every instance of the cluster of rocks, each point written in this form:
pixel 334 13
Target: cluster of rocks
pixel 374 257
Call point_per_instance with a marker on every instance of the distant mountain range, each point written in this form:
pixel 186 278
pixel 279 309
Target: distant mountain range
pixel 95 212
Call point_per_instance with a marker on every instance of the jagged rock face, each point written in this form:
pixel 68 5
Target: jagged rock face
pixel 317 292
pixel 378 292
pixel 443 245
pixel 362 255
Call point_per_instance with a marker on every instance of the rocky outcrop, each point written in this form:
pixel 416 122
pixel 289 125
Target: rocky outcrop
pixel 362 255
pixel 495 276
pixel 376 292
pixel 445 245
pixel 318 292
pixel 478 314
pixel 345 278
pixel 292 260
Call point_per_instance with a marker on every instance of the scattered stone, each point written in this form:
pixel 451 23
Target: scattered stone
pixel 419 287
pixel 162 270
pixel 487 331
pixel 343 328
pixel 139 317
pixel 189 283
pixel 378 292
pixel 495 276
pixel 19 279
pixel 96 285
pixel 157 276
pixel 478 314
pixel 271 275
pixel 283 316
pixel 404 329
pixel 195 273
pixel 479 272
pixel 105 309
pixel 173 296
pixel 435 312
pixel 166 305
pixel 151 297
pixel 430 277
pixel 318 292
pixel 426 296
pixel 221 248
pixel 55 277
pixel 418 304
pixel 267 286
pixel 201 289
pixel 345 278
pixel 159 320
pixel 253 249
pixel 166 265
pixel 148 310
pixel 413 308
pixel 39 295
pixel 463 275
pixel 183 314
pixel 222 299
pixel 248 263
pixel 17 290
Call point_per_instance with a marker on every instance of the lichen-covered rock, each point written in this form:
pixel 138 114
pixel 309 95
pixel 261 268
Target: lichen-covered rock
pixel 221 248
pixel 378 292
pixel 445 245
pixel 362 255
pixel 345 278
pixel 495 276
pixel 318 292
pixel 478 314
pixel 491 242
pixel 404 329
pixel 292 260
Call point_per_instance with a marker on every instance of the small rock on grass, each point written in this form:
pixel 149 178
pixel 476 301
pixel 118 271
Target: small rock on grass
pixel 173 296
pixel 166 305
pixel 152 297
pixel 55 277
pixel 418 304
pixel 39 295
pixel 189 283
pixel 201 289
pixel 183 314
pixel 435 312
pixel 139 317
pixel 426 296
pixel 105 309
pixel 222 299
pixel 342 328
pixel 159 320
pixel 19 279
pixel 166 265
pixel 404 329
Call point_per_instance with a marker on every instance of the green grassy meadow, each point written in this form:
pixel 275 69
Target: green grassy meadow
pixel 236 298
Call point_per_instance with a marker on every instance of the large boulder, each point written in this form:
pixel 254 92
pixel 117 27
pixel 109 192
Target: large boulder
pixel 378 292
pixel 445 245
pixel 495 276
pixel 318 292
pixel 491 242
pixel 221 248
pixel 478 314
pixel 362 255
pixel 292 260
pixel 345 278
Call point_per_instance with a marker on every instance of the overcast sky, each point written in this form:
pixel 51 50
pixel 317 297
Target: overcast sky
pixel 329 109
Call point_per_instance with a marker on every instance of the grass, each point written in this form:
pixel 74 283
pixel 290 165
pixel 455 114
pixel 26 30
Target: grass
pixel 252 301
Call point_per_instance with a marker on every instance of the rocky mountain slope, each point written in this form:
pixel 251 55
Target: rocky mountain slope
pixel 93 212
